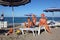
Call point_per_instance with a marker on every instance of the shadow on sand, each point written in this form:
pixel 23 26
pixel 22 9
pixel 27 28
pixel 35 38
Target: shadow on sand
pixel 3 31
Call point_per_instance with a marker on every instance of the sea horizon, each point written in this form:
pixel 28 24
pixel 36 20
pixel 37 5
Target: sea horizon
pixel 23 19
pixel 30 16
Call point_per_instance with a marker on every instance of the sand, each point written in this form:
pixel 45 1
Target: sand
pixel 29 36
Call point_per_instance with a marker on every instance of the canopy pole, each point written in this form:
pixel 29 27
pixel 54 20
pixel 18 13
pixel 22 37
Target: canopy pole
pixel 13 16
pixel 53 16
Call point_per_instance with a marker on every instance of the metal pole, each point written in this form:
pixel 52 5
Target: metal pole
pixel 53 16
pixel 13 16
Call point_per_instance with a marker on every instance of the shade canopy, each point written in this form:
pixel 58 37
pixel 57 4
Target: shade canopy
pixel 52 10
pixel 14 2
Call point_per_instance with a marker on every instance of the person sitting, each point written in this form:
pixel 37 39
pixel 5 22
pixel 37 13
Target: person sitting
pixel 43 22
pixel 34 20
pixel 10 31
pixel 29 25
pixel 2 17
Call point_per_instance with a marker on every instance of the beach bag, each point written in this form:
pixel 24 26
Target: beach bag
pixel 18 32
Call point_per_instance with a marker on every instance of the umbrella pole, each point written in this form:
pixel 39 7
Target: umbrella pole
pixel 53 16
pixel 13 16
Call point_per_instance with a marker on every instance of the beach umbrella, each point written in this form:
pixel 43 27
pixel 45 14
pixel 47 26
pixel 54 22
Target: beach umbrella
pixel 52 10
pixel 29 15
pixel 13 3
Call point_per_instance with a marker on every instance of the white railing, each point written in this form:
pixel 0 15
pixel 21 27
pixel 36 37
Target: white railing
pixel 3 24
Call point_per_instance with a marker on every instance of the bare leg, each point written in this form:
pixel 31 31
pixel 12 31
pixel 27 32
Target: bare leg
pixel 24 25
pixel 7 33
pixel 47 28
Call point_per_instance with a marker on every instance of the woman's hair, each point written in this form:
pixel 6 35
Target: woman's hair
pixel 43 14
pixel 34 15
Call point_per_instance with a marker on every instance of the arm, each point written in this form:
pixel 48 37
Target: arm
pixel 25 25
pixel 39 23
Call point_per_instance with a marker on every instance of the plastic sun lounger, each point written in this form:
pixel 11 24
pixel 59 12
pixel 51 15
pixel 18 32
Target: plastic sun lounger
pixel 39 29
pixel 32 29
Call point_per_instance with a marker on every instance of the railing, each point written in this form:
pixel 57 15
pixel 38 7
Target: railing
pixel 3 24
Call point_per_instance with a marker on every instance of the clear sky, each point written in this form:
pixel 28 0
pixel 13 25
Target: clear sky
pixel 36 7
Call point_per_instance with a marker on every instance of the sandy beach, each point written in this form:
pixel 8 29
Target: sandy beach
pixel 25 19
pixel 29 36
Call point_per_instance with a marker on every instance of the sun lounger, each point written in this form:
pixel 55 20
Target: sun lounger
pixel 53 23
pixel 32 29
pixel 39 29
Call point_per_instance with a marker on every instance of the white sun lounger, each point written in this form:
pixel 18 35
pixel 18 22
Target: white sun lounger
pixel 39 28
pixel 32 29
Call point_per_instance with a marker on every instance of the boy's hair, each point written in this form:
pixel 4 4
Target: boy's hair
pixel 28 18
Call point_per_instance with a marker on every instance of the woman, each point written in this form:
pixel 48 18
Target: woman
pixel 34 20
pixel 43 22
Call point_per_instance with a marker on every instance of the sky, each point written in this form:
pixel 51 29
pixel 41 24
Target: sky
pixel 35 7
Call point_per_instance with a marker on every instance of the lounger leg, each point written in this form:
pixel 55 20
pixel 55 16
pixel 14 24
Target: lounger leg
pixel 38 32
pixel 45 29
pixel 33 33
pixel 22 32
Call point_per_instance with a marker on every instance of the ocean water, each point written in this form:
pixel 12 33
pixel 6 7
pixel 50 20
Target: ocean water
pixel 23 19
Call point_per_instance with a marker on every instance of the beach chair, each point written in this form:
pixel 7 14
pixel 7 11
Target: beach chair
pixel 39 29
pixel 27 29
pixel 33 29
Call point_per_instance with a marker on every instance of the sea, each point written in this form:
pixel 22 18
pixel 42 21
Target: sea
pixel 24 19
